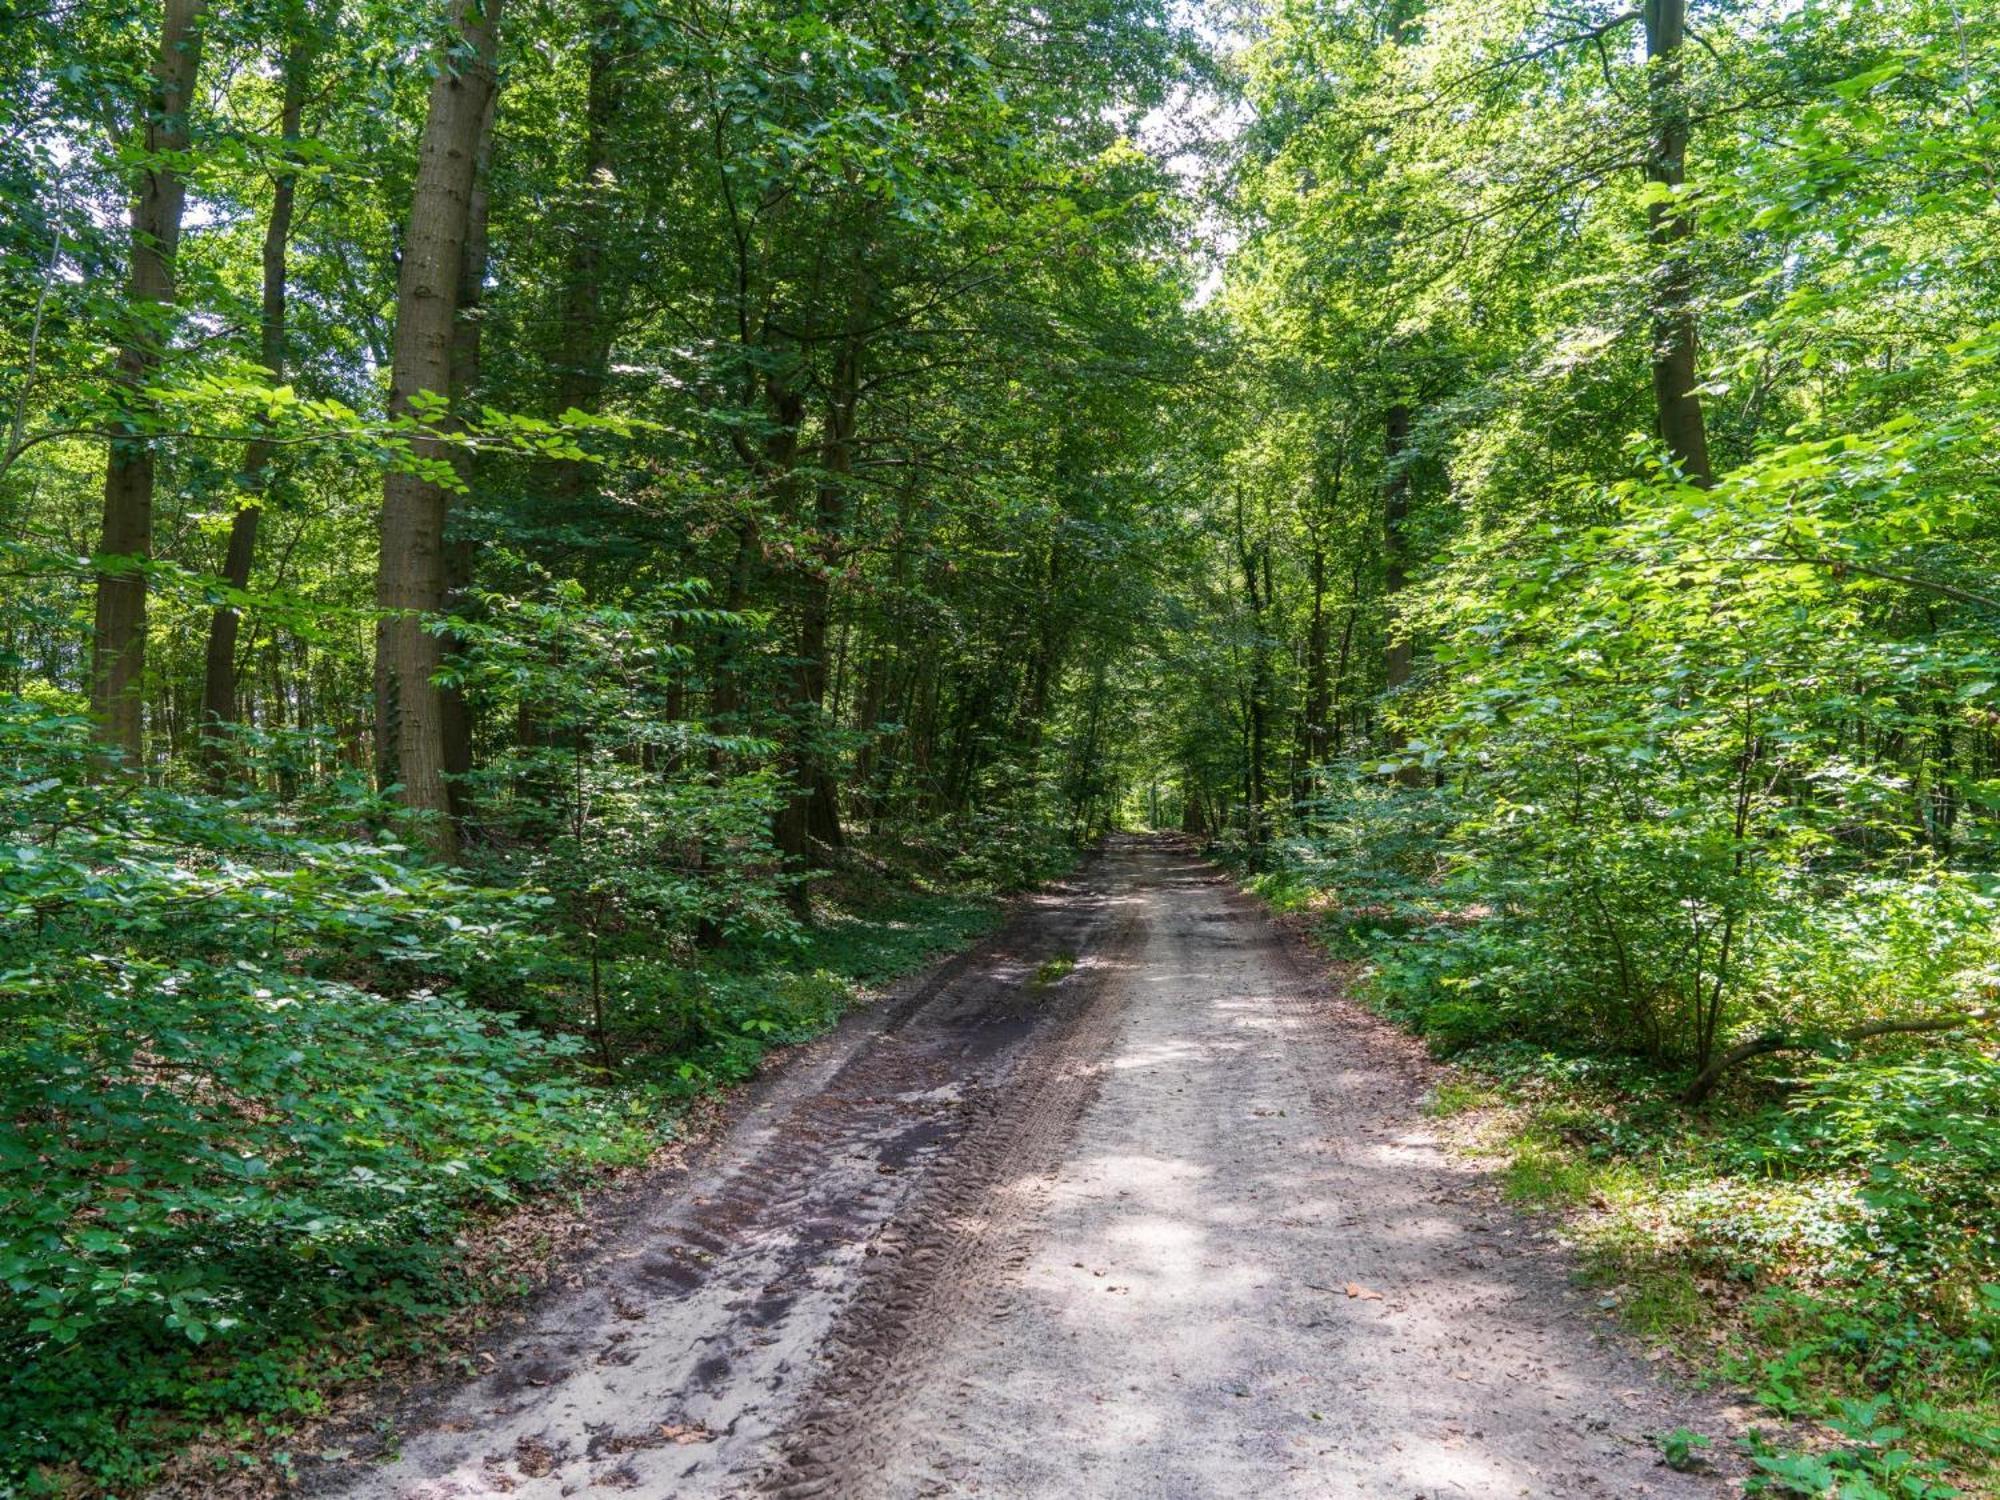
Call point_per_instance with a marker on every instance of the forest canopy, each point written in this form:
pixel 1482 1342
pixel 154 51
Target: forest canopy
pixel 542 549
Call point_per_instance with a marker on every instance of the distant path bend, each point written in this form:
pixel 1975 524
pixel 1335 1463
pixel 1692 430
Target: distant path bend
pixel 1072 1239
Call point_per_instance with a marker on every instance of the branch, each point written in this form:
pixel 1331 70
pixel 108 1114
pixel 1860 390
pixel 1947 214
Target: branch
pixel 20 422
pixel 1908 580
pixel 1706 1080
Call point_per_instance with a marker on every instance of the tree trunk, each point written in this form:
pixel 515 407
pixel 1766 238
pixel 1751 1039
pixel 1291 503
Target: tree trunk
pixel 1669 228
pixel 1316 740
pixel 583 348
pixel 118 655
pixel 1401 652
pixel 410 580
pixel 468 323
pixel 1192 823
pixel 725 701
pixel 218 692
pixel 1319 687
pixel 1048 647
pixel 581 358
pixel 813 810
pixel 1257 591
pixel 1339 675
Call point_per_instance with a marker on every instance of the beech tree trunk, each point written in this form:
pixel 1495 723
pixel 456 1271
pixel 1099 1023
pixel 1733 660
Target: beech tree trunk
pixel 1669 228
pixel 218 689
pixel 118 651
pixel 583 348
pixel 813 809
pixel 410 577
pixel 468 322
pixel 1400 654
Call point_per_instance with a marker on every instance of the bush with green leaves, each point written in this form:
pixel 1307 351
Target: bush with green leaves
pixel 650 835
pixel 1918 1135
pixel 1870 1463
pixel 243 1081
pixel 1677 731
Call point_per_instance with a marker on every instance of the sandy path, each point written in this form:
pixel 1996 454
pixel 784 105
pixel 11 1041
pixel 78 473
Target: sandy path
pixel 1088 1239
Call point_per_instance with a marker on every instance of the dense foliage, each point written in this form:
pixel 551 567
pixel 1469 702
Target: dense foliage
pixel 1596 629
pixel 540 548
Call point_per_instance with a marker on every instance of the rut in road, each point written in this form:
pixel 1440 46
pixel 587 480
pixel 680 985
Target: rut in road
pixel 1082 1239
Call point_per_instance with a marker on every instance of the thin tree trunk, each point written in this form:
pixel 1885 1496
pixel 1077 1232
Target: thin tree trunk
pixel 1339 677
pixel 1669 228
pixel 1319 690
pixel 410 580
pixel 1401 654
pixel 583 350
pixel 118 653
pixel 726 696
pixel 813 810
pixel 582 355
pixel 1257 704
pixel 218 693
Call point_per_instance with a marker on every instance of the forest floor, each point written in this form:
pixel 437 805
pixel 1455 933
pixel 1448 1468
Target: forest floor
pixel 1121 1202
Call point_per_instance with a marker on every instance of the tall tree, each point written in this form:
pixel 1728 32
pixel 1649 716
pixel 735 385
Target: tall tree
pixel 218 694
pixel 410 717
pixel 119 643
pixel 1670 225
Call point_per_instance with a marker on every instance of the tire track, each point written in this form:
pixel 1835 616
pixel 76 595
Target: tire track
pixel 680 1349
pixel 951 1255
pixel 1232 1262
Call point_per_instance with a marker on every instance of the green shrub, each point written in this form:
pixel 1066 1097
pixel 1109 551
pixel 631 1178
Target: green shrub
pixel 242 1088
pixel 1454 1025
pixel 1921 1134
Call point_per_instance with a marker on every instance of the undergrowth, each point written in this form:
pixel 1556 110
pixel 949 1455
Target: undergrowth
pixel 1823 1231
pixel 266 1082
pixel 1754 1246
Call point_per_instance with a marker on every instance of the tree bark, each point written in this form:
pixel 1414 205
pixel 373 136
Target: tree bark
pixel 118 652
pixel 812 812
pixel 1339 677
pixel 1316 738
pixel 468 324
pixel 1669 227
pixel 1400 655
pixel 1319 688
pixel 831 518
pixel 410 578
pixel 583 348
pixel 1256 563
pixel 218 691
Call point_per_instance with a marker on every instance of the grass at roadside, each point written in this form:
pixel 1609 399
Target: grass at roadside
pixel 1729 1271
pixel 1748 1241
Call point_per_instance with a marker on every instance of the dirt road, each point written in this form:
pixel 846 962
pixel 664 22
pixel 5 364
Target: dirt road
pixel 1078 1237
